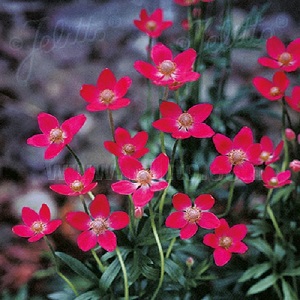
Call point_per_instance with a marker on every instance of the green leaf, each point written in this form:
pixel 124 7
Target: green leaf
pixel 150 272
pixel 261 246
pixel 77 266
pixel 109 275
pixel 62 295
pixel 174 271
pixel 262 285
pixel 282 193
pixel 90 295
pixel 293 272
pixel 288 291
pixel 255 271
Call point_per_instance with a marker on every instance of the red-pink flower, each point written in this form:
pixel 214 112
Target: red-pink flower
pixel 272 180
pixel 240 155
pixel 284 58
pixel 226 241
pixel 268 154
pixel 54 136
pixel 183 125
pixel 188 217
pixel 294 100
pixel 272 90
pixel 36 225
pixel 126 145
pixel 153 25
pixel 97 227
pixel 190 2
pixel 76 184
pixel 169 71
pixel 108 92
pixel 295 165
pixel 145 181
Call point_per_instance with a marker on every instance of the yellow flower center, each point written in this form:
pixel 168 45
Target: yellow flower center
pixel 77 186
pixel 285 59
pixel 144 177
pixel 167 67
pixel 128 149
pixel 38 227
pixel 57 136
pixel 264 156
pixel 236 156
pixel 273 181
pixel 225 242
pixel 107 96
pixel 151 25
pixel 192 214
pixel 185 120
pixel 99 225
pixel 275 91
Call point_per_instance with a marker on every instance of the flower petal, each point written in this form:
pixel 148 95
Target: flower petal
pixel 243 139
pixel 170 110
pixel 47 122
pixel 22 230
pixel 245 172
pixel 39 140
pixel 62 189
pixel 238 247
pixel 275 47
pixel 181 201
pixel 211 240
pixel 90 93
pixel 118 220
pixel 160 52
pixel 130 166
pixel 201 131
pixel 100 207
pixel 220 165
pixel 106 80
pixel 176 220
pixel 52 226
pixel 221 256
pixel 124 187
pixel 159 166
pixel 200 112
pixel 108 240
pixel 122 86
pixel 222 143
pixel 158 185
pixel 79 220
pixel 87 240
pixel 29 216
pixel 142 196
pixel 188 231
pixel 208 221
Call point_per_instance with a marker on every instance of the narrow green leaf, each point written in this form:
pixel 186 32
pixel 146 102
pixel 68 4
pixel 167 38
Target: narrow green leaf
pixel 288 291
pixel 90 295
pixel 261 246
pixel 77 266
pixel 174 271
pixel 109 275
pixel 293 272
pixel 262 285
pixel 255 271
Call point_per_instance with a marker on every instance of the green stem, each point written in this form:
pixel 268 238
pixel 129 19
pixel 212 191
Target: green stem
pixel 170 247
pixel 61 275
pixel 230 198
pixel 97 259
pixel 76 158
pixel 274 222
pixel 85 207
pixel 125 278
pixel 161 253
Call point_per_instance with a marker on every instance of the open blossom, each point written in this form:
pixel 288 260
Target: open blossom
pixel 55 136
pixel 76 184
pixel 97 227
pixel 183 125
pixel 145 181
pixel 169 71
pixel 240 155
pixel 188 217
pixel 36 225
pixel 126 145
pixel 272 90
pixel 294 100
pixel 268 154
pixel 108 92
pixel 272 180
pixel 281 57
pixel 153 25
pixel 226 240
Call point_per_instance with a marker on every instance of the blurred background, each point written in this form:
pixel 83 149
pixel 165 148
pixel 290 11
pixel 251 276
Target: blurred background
pixel 48 50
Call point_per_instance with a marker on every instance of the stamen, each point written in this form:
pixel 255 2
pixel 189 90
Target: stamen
pixel 107 96
pixel 57 136
pixel 225 242
pixel 128 149
pixel 236 156
pixel 192 214
pixel 167 67
pixel 144 177
pixel 77 186
pixel 185 120
pixel 99 225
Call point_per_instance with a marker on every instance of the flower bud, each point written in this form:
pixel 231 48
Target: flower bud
pixel 189 262
pixel 138 212
pixel 295 165
pixel 290 134
pixel 298 138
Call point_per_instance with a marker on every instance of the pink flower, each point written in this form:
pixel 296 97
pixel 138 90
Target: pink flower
pixel 54 136
pixel 146 181
pixel 268 154
pixel 272 90
pixel 272 180
pixel 96 229
pixel 190 2
pixel 107 94
pixel 226 241
pixel 183 125
pixel 188 217
pixel 294 100
pixel 153 25
pixel 295 165
pixel 76 184
pixel 127 145
pixel 36 225
pixel 284 58
pixel 240 155
pixel 169 71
